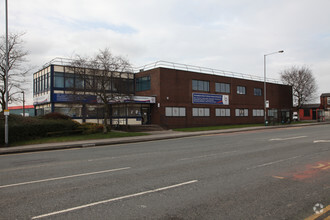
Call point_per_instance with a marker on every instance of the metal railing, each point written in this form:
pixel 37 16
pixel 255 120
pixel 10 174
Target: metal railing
pixel 204 70
pixel 59 61
pixel 176 66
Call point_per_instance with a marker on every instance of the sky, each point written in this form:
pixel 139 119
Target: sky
pixel 221 34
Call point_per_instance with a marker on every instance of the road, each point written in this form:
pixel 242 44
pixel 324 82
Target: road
pixel 269 174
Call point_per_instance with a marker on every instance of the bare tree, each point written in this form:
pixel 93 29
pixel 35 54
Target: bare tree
pixel 303 84
pixel 101 76
pixel 17 71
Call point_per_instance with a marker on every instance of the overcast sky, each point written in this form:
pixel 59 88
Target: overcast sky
pixel 230 35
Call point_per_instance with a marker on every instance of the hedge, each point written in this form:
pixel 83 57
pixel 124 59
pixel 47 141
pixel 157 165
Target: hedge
pixel 24 128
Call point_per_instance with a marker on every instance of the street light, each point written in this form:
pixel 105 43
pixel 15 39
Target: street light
pixel 23 104
pixel 265 100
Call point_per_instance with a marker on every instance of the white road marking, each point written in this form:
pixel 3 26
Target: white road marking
pixel 284 139
pixel 207 155
pixel 114 199
pixel 63 177
pixel 321 141
pixel 277 161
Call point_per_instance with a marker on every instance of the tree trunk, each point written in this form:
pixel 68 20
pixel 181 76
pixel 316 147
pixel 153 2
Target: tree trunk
pixel 105 121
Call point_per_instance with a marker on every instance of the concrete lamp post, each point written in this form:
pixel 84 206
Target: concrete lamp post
pixel 266 104
pixel 23 103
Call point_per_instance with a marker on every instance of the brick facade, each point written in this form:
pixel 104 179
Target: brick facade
pixel 173 88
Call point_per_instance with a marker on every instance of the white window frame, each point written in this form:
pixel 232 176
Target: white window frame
pixel 201 112
pixel 258 113
pixel 222 112
pixel 175 111
pixel 241 90
pixel 241 112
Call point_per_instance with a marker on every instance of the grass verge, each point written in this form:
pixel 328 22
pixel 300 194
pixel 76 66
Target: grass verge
pixel 217 127
pixel 81 137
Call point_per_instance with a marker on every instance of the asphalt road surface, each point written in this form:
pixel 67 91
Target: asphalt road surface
pixel 270 174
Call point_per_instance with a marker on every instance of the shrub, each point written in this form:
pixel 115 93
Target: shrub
pixel 24 128
pixel 91 128
pixel 56 116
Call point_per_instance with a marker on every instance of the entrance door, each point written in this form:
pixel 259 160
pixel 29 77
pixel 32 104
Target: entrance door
pixel 314 114
pixel 145 115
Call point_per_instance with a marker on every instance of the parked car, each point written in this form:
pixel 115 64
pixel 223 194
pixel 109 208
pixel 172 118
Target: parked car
pixel 295 116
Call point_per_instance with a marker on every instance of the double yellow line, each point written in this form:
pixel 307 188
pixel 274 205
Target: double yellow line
pixel 315 216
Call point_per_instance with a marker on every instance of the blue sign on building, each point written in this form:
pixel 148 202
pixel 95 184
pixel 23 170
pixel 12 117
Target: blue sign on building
pixel 74 98
pixel 213 99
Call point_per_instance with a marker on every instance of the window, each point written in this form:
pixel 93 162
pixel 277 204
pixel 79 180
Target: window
pixel 222 112
pixel 328 100
pixel 48 81
pixel 272 113
pixel 257 92
pixel 59 80
pixel 307 113
pixel 242 112
pixel 175 111
pixel 79 82
pixel 143 83
pixel 69 80
pixel 72 112
pixel 222 87
pixel 201 112
pixel 134 110
pixel 258 112
pixel 199 85
pixel 241 90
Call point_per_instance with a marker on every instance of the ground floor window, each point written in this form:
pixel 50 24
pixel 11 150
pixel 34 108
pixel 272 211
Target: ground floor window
pixel 307 113
pixel 258 113
pixel 222 112
pixel 70 111
pixel 94 111
pixel 242 112
pixel 201 112
pixel 272 113
pixel 175 111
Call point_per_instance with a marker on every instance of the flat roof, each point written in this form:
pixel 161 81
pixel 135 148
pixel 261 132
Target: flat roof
pixel 177 66
pixel 203 70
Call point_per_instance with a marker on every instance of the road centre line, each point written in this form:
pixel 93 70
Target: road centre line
pixel 277 161
pixel 114 199
pixel 207 155
pixel 321 141
pixel 284 139
pixel 63 177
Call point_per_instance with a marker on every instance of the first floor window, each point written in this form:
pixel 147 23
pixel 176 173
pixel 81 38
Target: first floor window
pixel 200 85
pixel 222 87
pixel 201 112
pixel 241 90
pixel 142 83
pixel 257 92
pixel 175 111
pixel 222 112
pixel 242 112
pixel 59 80
pixel 258 112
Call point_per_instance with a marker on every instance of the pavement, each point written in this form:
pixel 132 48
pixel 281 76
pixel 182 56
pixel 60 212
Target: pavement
pixel 153 136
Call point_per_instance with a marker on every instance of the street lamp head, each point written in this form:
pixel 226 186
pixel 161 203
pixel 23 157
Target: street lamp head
pixel 281 51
